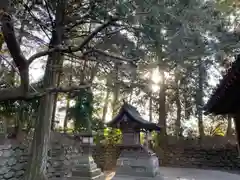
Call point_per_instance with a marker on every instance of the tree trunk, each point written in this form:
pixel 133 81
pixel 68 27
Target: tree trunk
pixel 93 72
pixel 55 101
pixel 237 129
pixel 20 115
pixel 82 74
pixel 150 108
pixel 39 152
pixel 54 111
pixel 178 132
pixel 162 105
pixel 68 103
pixel 116 90
pixel 105 107
pixel 229 126
pixel 115 101
pixel 106 103
pixel 162 115
pixel 187 105
pixel 199 100
pixel 66 116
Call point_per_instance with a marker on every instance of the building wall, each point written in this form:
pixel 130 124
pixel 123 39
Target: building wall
pixel 224 158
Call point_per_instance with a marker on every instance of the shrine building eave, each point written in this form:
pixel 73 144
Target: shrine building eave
pixel 226 97
pixel 133 116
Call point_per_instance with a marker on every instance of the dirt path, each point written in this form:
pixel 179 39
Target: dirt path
pixel 109 174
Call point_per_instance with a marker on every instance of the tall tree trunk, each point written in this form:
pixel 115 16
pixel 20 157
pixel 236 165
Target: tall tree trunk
pixel 54 111
pixel 199 100
pixel 178 131
pixel 229 126
pixel 115 100
pixel 66 116
pixel 237 129
pixel 18 128
pixel 187 105
pixel 162 114
pixel 105 107
pixel 116 90
pixel 68 102
pixel 162 105
pixel 150 98
pixel 55 102
pixel 93 72
pixel 106 100
pixel 39 152
pixel 150 108
pixel 82 74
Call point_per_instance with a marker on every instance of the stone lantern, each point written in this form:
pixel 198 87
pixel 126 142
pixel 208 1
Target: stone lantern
pixel 136 161
pixel 87 139
pixel 84 166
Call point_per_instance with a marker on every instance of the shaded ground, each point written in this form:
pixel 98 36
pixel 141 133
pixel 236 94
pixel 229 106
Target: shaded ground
pixel 191 174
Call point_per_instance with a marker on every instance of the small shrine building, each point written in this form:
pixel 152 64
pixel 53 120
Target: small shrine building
pixel 225 100
pixel 135 160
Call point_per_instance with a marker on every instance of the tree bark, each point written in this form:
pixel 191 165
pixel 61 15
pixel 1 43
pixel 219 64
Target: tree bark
pixel 162 105
pixel 54 111
pixel 229 126
pixel 55 100
pixel 66 116
pixel 116 90
pixel 199 100
pixel 106 103
pixel 39 152
pixel 150 108
pixel 178 131
pixel 237 128
pixel 105 107
pixel 14 48
pixel 187 104
pixel 68 102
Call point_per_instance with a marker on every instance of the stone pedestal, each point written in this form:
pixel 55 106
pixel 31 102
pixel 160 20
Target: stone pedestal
pixel 137 162
pixel 84 166
pixel 56 168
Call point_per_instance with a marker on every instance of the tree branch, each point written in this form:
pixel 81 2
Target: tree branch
pixel 101 52
pixel 73 49
pixel 17 94
pixel 14 49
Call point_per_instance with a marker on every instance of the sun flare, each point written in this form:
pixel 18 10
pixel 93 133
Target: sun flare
pixel 156 78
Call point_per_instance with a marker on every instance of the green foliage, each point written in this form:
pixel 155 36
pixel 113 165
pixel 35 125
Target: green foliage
pixel 112 136
pixel 227 5
pixel 20 110
pixel 82 111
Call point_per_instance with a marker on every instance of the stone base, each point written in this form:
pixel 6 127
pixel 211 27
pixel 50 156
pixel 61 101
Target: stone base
pixel 137 163
pixel 86 169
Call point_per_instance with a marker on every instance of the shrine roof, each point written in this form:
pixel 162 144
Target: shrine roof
pixel 133 116
pixel 226 97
